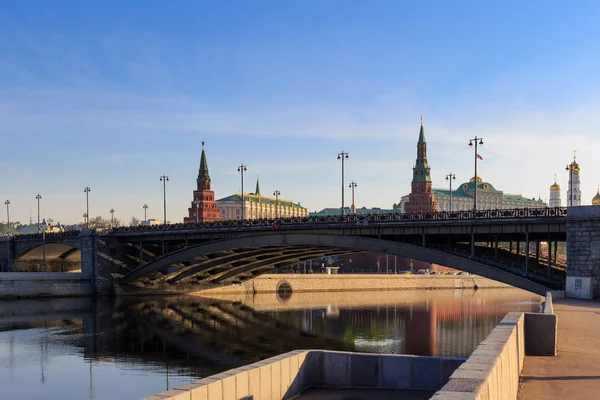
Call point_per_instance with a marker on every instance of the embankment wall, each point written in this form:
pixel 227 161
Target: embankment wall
pixel 270 283
pixel 43 284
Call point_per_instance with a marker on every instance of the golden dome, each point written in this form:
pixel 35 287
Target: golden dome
pixel 555 186
pixel 479 180
pixel 596 199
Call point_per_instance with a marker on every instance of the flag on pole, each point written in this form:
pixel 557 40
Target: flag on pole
pixel 479 157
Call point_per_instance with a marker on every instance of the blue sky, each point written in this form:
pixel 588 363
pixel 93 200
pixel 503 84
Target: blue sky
pixel 113 94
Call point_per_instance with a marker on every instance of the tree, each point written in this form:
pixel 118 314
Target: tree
pixel 134 221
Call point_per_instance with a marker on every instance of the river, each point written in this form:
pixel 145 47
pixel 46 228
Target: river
pixel 131 348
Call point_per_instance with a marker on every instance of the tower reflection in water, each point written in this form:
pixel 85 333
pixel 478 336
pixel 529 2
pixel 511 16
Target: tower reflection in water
pixel 161 343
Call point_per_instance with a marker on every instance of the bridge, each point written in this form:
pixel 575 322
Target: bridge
pixel 503 245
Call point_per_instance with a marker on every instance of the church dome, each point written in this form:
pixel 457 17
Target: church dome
pixel 479 180
pixel 596 199
pixel 555 186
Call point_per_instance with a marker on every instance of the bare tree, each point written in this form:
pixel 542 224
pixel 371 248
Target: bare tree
pixel 134 221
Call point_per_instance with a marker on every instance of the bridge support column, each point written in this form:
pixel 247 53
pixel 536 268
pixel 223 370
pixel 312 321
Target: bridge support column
pixel 583 252
pixel 7 254
pixel 549 255
pixel 495 248
pixel 88 253
pixel 526 253
pixel 537 252
pixel 472 245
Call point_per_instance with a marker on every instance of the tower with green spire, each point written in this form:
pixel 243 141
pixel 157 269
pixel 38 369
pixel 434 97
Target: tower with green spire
pixel 203 207
pixel 257 191
pixel 421 198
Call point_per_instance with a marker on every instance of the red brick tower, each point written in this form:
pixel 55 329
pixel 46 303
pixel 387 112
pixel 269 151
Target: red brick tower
pixel 204 204
pixel 420 198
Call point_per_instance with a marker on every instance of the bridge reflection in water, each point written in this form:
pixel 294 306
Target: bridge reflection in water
pixel 136 347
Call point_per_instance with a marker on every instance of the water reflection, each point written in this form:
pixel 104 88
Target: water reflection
pixel 95 349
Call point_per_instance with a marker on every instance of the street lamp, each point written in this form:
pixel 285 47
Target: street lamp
pixel 87 205
pixel 85 218
pixel 571 167
pixel 477 141
pixel 38 197
pixel 7 202
pixel 241 170
pixel 342 156
pixel 43 227
pixel 450 177
pixel 112 218
pixel 276 194
pixel 164 179
pixel 145 207
pixel 197 203
pixel 353 185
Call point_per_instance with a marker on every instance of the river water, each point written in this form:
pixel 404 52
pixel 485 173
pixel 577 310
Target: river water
pixel 132 348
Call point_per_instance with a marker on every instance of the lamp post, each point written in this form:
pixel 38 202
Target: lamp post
pixel 342 156
pixel 571 167
pixel 477 141
pixel 197 203
pixel 276 194
pixel 164 179
pixel 43 227
pixel 38 197
pixel 241 170
pixel 353 185
pixel 7 202
pixel 87 206
pixel 145 207
pixel 450 177
pixel 112 218
pixel 85 218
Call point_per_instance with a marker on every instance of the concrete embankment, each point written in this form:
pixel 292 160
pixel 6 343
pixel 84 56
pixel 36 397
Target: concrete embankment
pixel 503 300
pixel 43 284
pixel 298 283
pixel 288 375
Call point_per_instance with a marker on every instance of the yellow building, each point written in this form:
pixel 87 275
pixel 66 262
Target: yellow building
pixel 257 206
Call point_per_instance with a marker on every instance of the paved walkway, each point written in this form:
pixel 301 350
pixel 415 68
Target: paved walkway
pixel 364 394
pixel 575 373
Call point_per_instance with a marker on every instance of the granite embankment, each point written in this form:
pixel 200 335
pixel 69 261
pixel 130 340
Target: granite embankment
pixel 298 283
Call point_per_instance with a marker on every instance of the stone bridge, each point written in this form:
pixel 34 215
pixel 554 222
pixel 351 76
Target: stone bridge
pixel 503 245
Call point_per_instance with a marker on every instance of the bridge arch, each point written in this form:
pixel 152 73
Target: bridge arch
pixel 54 251
pixel 253 254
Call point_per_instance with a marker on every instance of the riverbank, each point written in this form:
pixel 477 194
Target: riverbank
pixel 299 283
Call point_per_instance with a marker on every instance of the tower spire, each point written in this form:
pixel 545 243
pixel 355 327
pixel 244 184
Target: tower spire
pixel 422 132
pixel 203 170
pixel 257 191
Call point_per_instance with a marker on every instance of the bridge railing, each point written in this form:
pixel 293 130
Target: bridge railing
pixel 362 219
pixel 49 235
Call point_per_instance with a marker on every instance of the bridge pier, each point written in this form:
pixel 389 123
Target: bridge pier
pixel 7 254
pixel 583 252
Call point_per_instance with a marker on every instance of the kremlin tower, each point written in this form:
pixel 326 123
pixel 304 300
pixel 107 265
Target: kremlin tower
pixel 554 195
pixel 421 198
pixel 573 190
pixel 203 207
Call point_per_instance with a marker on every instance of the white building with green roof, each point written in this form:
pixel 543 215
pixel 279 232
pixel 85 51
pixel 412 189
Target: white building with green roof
pixel 258 206
pixel 488 198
